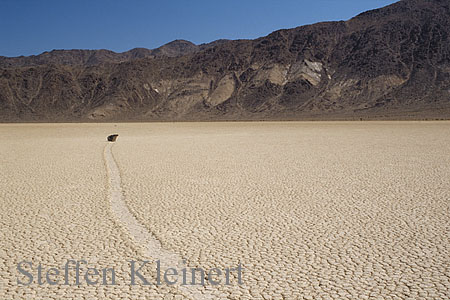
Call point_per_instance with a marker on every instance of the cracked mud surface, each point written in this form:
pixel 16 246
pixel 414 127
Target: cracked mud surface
pixel 142 236
pixel 311 210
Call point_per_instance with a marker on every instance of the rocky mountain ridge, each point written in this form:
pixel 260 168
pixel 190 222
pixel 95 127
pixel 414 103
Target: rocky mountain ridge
pixel 392 62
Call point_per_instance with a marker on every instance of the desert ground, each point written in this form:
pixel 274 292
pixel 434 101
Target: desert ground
pixel 310 210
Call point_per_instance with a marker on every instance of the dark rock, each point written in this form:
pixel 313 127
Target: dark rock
pixel 112 137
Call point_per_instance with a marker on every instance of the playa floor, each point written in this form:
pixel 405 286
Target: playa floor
pixel 308 210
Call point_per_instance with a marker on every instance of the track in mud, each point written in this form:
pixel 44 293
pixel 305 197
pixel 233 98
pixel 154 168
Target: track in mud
pixel 140 234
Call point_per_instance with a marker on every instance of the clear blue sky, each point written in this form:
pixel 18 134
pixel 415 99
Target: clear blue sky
pixel 34 26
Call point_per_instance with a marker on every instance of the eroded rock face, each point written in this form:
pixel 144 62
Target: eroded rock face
pixel 308 70
pixel 388 61
pixel 275 73
pixel 224 90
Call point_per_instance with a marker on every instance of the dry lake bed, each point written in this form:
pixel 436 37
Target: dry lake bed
pixel 270 210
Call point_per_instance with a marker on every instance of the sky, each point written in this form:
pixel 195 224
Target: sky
pixel 29 27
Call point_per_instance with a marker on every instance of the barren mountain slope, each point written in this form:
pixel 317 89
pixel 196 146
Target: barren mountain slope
pixel 392 62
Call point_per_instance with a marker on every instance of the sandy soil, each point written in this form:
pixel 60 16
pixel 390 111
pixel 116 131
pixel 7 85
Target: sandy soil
pixel 318 210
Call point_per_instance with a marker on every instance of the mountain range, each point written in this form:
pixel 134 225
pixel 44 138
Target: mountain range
pixel 387 63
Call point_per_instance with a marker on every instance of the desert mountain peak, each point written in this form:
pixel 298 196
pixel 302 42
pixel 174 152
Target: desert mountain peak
pixel 391 62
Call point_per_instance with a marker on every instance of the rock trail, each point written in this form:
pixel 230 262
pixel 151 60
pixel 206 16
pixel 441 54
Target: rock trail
pixel 152 246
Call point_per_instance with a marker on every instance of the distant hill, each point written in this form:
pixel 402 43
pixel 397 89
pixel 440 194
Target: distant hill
pixel 96 57
pixel 392 62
